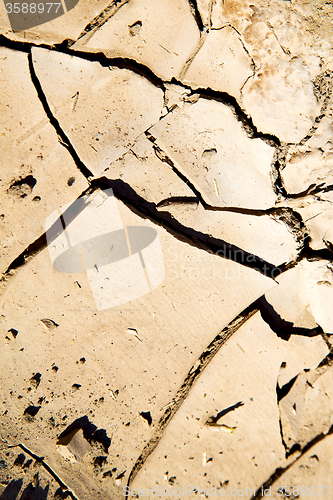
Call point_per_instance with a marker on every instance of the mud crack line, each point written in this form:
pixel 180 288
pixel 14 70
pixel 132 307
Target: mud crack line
pixel 125 193
pixel 54 122
pixel 47 468
pixel 182 393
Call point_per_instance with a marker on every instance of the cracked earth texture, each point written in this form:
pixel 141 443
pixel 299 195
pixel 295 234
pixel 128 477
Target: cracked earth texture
pixel 208 123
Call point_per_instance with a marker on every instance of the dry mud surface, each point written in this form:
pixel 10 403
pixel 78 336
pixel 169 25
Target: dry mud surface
pixel 166 240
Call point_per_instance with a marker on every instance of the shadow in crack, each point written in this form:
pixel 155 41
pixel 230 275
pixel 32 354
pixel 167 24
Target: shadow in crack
pixel 12 490
pixel 281 392
pixel 213 420
pixel 90 433
pixel 60 494
pixel 283 329
pixel 31 492
pixel 35 493
pixel 125 193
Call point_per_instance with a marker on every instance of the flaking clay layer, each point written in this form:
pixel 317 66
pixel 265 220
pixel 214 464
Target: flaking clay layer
pixel 166 249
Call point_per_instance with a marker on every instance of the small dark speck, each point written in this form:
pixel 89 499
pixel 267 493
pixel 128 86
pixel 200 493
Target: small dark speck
pixel 32 410
pixel 100 461
pixel 121 475
pixel 13 332
pixel 147 416
pixel 49 323
pixel 35 380
pixel 71 181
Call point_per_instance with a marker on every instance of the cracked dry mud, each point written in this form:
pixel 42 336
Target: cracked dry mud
pixel 209 124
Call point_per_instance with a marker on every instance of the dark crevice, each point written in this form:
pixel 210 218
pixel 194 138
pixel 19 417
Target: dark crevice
pixel 286 214
pixel 147 210
pixel 281 434
pixel 41 242
pixel 54 122
pixel 284 50
pixel 194 373
pixel 311 255
pixel 178 200
pixel 274 211
pixel 294 449
pixel 281 470
pixel 283 329
pixel 33 249
pixel 196 14
pixel 240 114
pixel 119 62
pixel 100 57
pixel 161 155
pixel 326 362
pixel 311 190
pixel 131 64
pixel 19 46
pixel 281 392
pixel 144 209
pixel 250 129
